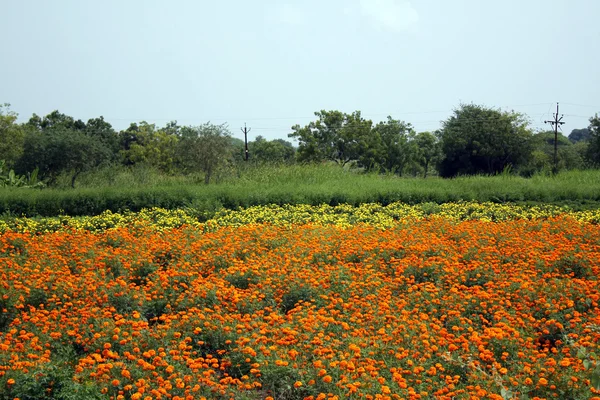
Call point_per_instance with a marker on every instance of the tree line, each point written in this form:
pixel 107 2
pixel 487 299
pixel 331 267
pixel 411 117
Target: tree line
pixel 475 139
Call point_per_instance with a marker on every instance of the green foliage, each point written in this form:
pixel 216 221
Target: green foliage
pixel 242 281
pixel 303 184
pixel 570 265
pixel 153 309
pixel 206 148
pixel 145 144
pixel 7 310
pixel 296 294
pixel 569 155
pixel 426 150
pixel 386 148
pixel 580 135
pixel 590 362
pixel 37 297
pixel 102 130
pixel 481 140
pixel 593 151
pixel 335 136
pixel 421 274
pixel 57 143
pixel 475 140
pixel 12 136
pixel 140 273
pixel 10 179
pixel 271 151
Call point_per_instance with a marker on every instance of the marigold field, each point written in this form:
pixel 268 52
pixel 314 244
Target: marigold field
pixel 459 301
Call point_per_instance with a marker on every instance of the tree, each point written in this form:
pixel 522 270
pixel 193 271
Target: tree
pixel 58 143
pixel 427 150
pixel 54 120
pixel 99 128
pixel 145 144
pixel 58 149
pixel 271 151
pixel 206 147
pixel 386 147
pixel 569 155
pixel 578 135
pixel 335 136
pixel 593 151
pixel 12 136
pixel 477 139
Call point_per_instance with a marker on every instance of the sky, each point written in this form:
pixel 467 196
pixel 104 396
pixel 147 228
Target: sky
pixel 272 64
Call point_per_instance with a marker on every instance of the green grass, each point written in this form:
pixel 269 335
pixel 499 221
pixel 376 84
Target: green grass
pixel 309 184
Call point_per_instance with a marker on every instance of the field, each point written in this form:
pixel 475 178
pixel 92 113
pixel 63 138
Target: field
pixel 134 189
pixel 451 301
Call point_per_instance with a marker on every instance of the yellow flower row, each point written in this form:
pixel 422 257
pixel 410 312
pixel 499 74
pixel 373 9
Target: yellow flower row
pixel 343 215
pixel 159 218
pixel 386 216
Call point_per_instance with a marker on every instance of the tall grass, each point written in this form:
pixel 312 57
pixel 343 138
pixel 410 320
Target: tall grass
pixel 310 184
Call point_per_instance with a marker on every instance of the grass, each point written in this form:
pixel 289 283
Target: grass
pixel 246 186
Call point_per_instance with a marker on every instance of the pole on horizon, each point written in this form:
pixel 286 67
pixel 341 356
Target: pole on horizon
pixel 556 123
pixel 246 131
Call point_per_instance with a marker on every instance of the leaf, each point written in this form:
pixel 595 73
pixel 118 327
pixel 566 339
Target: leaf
pixel 595 381
pixel 506 394
pixel 586 364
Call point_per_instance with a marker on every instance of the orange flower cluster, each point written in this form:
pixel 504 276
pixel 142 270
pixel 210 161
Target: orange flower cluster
pixel 429 309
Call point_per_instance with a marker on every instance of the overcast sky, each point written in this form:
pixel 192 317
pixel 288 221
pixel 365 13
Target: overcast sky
pixel 274 63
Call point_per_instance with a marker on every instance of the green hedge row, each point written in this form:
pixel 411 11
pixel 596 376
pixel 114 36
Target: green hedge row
pixel 354 189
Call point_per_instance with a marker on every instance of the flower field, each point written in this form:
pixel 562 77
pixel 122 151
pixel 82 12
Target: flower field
pixel 453 301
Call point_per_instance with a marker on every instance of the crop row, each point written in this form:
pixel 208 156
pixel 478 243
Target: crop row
pixel 341 215
pixel 428 308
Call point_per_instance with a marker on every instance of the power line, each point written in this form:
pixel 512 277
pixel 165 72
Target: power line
pixel 365 115
pixel 582 105
pixel 302 117
pixel 289 128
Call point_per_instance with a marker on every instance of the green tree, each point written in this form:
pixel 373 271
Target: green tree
pixel 593 151
pixel 58 149
pixel 569 155
pixel 426 151
pixel 207 148
pixel 55 119
pixel 578 135
pixel 102 130
pixel 271 151
pixel 12 136
pixel 386 148
pixel 334 136
pixel 477 140
pixel 145 144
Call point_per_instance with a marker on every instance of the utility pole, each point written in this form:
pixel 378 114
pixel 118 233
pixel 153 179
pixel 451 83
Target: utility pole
pixel 556 123
pixel 246 130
